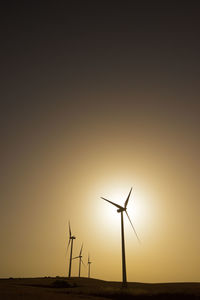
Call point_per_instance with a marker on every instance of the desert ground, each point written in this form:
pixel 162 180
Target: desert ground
pixel 84 288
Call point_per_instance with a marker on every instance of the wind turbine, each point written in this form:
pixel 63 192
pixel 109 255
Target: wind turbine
pixel 80 260
pixel 71 240
pixel 122 209
pixel 89 263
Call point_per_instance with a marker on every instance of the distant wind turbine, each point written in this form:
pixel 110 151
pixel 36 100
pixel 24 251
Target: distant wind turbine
pixel 71 240
pixel 121 209
pixel 89 263
pixel 80 261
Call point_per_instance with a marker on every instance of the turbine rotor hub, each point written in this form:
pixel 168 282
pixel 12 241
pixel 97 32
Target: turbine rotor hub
pixel 121 209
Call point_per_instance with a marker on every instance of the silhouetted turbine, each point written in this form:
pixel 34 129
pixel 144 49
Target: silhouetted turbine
pixel 121 210
pixel 71 240
pixel 89 263
pixel 80 261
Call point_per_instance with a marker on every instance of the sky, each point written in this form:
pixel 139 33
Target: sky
pixel 98 97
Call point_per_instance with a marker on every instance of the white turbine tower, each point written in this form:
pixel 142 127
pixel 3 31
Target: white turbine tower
pixel 122 209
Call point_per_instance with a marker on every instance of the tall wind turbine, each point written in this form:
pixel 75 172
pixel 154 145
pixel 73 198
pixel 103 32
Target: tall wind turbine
pixel 80 260
pixel 71 240
pixel 89 263
pixel 122 209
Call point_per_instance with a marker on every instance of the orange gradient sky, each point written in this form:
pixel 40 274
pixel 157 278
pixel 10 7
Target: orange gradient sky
pixel 93 106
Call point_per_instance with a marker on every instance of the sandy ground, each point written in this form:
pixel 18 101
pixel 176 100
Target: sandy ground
pixel 84 288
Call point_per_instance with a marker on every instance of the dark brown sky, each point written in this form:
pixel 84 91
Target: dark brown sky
pixel 96 96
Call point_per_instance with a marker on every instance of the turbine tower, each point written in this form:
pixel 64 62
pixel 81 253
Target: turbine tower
pixel 71 240
pixel 89 263
pixel 80 260
pixel 122 209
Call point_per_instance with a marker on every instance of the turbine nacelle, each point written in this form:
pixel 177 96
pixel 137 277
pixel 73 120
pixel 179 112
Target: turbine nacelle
pixel 80 256
pixel 89 262
pixel 119 210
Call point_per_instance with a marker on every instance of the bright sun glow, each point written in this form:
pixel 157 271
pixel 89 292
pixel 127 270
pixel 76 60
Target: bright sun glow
pixel 137 208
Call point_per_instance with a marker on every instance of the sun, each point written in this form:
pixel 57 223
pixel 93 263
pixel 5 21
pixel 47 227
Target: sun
pixel 118 194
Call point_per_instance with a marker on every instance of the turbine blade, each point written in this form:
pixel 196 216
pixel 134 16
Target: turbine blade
pixel 112 203
pixel 67 247
pixel 81 250
pixel 126 202
pixel 65 252
pixel 70 233
pixel 75 257
pixel 133 227
pixel 83 262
